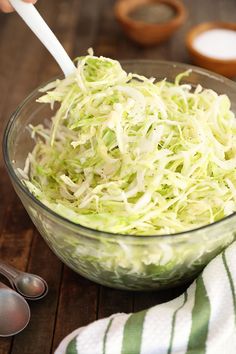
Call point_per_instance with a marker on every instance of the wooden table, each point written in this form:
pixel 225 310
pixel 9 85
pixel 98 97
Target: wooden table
pixel 72 300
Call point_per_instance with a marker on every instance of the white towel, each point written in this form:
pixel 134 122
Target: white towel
pixel 200 321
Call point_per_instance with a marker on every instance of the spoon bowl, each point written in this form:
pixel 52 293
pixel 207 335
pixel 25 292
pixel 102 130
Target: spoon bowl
pixel 14 312
pixel 30 286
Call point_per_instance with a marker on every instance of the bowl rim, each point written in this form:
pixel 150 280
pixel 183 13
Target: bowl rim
pixel 101 233
pixel 123 14
pixel 195 31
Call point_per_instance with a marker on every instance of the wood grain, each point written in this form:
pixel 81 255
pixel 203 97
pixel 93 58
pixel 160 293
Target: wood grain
pixel 77 304
pixel 113 301
pixel 39 333
pixel 72 300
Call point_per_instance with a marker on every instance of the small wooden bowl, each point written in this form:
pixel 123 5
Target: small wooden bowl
pixel 146 33
pixel 222 66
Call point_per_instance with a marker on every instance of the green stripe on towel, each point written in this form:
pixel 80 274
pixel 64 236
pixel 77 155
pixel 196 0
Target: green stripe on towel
pixel 173 323
pixel 71 349
pixel 231 283
pixel 200 320
pixel 105 336
pixel 132 335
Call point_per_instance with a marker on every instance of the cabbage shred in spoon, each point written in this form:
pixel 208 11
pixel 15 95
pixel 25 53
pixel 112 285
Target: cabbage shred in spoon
pixel 36 23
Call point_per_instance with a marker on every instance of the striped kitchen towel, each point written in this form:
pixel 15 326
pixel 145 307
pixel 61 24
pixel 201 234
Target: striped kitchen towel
pixel 200 321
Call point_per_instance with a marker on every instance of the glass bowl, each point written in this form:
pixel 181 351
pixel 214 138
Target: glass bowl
pixel 119 261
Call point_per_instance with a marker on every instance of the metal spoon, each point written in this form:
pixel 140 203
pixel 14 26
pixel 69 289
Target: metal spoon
pixel 31 286
pixel 36 23
pixel 14 312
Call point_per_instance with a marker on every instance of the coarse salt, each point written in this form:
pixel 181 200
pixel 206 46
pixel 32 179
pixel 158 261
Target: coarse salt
pixel 217 43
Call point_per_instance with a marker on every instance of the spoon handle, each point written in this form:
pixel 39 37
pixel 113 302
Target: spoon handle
pixel 3 286
pixel 8 271
pixel 36 23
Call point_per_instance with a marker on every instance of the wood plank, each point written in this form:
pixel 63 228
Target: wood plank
pixel 77 305
pixel 15 236
pixel 15 247
pixel 38 336
pixel 20 343
pixel 6 195
pixel 64 27
pixel 5 345
pixel 15 243
pixel 15 251
pixel 114 301
pixel 79 24
pixel 22 70
pixel 111 41
pixel 18 68
pixel 88 21
pixel 20 85
pixel 144 300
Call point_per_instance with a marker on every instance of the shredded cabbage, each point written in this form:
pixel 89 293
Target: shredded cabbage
pixel 127 154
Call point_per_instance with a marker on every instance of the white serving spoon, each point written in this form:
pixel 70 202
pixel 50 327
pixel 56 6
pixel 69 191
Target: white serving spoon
pixel 36 23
